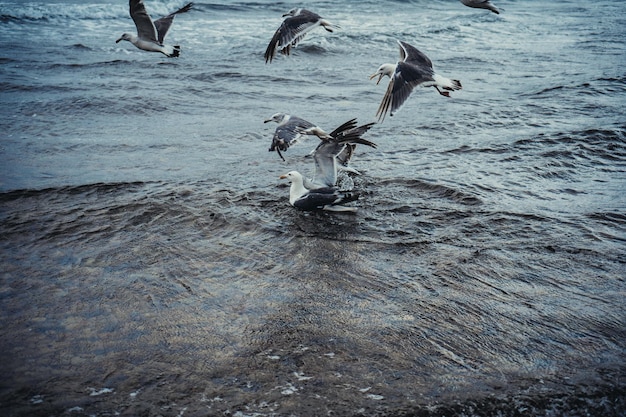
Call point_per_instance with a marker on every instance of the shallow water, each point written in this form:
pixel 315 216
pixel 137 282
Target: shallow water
pixel 151 263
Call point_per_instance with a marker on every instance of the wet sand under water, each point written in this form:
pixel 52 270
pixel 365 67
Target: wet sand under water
pixel 152 299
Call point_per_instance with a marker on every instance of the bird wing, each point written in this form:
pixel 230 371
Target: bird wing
pixel 353 134
pixel 411 54
pixel 289 133
pixel 406 77
pixel 290 33
pixel 341 146
pixel 294 28
pixel 143 22
pixel 163 24
pixel 481 4
pixel 318 198
pixel 326 163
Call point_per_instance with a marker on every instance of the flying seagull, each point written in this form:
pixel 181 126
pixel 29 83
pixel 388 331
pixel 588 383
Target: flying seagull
pixel 481 4
pixel 321 192
pixel 297 24
pixel 150 34
pixel 413 69
pixel 290 130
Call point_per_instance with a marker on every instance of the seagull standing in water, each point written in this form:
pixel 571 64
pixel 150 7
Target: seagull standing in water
pixel 321 193
pixel 298 23
pixel 150 34
pixel 481 4
pixel 413 69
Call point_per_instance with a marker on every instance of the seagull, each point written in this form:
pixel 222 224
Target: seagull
pixel 321 193
pixel 413 69
pixel 327 198
pixel 298 23
pixel 481 4
pixel 335 153
pixel 290 130
pixel 150 34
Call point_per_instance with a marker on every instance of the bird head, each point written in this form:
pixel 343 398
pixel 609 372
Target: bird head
pixel 385 69
pixel 124 37
pixel 277 117
pixel 293 12
pixel 292 176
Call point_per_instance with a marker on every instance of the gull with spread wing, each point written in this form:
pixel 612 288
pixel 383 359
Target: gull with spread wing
pixel 292 30
pixel 413 69
pixel 321 192
pixel 291 130
pixel 150 35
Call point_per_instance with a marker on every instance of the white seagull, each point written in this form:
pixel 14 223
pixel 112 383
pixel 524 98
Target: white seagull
pixel 290 130
pixel 327 198
pixel 413 69
pixel 321 193
pixel 481 4
pixel 150 34
pixel 298 23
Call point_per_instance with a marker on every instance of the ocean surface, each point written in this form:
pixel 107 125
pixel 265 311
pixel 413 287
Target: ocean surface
pixel 150 262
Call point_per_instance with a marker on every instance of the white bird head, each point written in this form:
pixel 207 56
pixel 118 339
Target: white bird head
pixel 278 118
pixel 293 12
pixel 293 176
pixel 125 37
pixel 385 69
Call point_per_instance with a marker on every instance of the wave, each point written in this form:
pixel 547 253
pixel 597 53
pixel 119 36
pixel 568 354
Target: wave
pixel 14 87
pixel 85 189
pixel 76 104
pixel 598 86
pixel 584 144
pixel 435 190
pixel 42 12
pixel 55 12
pixel 99 64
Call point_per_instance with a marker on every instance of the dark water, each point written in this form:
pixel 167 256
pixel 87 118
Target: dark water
pixel 151 264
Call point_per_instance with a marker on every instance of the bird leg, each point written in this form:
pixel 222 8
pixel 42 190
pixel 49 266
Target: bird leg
pixel 280 154
pixel 443 93
pixel 317 132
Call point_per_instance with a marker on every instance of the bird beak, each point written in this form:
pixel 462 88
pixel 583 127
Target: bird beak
pixel 282 177
pixel 267 121
pixel 380 77
pixel 118 41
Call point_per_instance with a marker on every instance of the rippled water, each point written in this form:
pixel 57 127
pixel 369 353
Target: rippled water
pixel 151 263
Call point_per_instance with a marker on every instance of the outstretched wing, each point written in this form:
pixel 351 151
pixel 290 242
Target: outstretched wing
pixel 143 22
pixel 163 24
pixel 406 77
pixel 290 33
pixel 342 144
pixel 410 54
pixel 323 197
pixel 290 133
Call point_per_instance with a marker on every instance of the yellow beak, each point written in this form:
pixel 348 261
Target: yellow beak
pixel 380 77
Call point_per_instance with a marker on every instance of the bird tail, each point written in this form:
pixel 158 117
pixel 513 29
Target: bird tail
pixel 347 198
pixel 343 198
pixel 330 27
pixel 493 8
pixel 341 209
pixel 447 83
pixel 175 52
